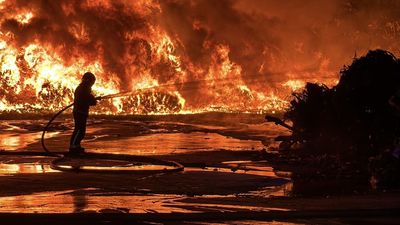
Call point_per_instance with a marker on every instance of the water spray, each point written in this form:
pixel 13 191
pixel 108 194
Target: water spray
pixel 187 84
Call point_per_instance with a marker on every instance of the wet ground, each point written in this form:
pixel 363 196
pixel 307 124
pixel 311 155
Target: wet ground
pixel 218 163
pixel 224 173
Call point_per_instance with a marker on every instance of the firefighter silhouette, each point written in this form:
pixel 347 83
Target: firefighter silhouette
pixel 83 99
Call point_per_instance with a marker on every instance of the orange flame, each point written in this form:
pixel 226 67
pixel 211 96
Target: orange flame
pixel 169 55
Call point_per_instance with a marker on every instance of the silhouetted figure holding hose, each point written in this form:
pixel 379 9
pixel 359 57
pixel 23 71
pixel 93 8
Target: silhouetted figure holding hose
pixel 83 99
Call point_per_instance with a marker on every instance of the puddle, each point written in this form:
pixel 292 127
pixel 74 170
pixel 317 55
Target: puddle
pixel 172 143
pixel 71 202
pixel 90 164
pixel 15 141
pixel 139 201
pixel 266 172
pixel 65 202
pixel 25 168
pixel 115 168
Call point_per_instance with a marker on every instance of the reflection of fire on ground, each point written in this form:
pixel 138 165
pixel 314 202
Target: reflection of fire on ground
pixel 221 162
pixel 178 63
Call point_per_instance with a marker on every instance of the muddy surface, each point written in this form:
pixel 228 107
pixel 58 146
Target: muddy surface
pixel 225 170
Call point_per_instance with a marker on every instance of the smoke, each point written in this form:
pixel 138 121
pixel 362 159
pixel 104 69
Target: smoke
pixel 259 44
pixel 285 36
pixel 315 32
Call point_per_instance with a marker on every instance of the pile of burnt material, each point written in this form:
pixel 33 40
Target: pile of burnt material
pixel 354 123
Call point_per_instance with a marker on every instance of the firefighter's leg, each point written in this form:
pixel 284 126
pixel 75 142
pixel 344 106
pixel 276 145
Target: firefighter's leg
pixel 79 130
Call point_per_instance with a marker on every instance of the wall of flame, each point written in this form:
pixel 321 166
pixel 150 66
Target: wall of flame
pixel 183 56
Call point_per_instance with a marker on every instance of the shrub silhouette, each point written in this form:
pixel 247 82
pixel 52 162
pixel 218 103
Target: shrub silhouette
pixel 353 119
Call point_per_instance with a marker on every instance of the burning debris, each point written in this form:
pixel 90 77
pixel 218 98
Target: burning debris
pixel 351 126
pixel 133 45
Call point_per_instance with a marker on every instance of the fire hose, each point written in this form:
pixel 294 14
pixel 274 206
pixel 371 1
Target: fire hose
pixel 60 156
pixel 131 159
pixel 65 108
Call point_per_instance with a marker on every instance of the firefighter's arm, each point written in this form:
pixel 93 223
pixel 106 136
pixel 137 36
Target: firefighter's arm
pixel 92 100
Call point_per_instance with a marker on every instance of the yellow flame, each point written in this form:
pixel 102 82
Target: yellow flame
pixel 24 18
pixel 294 85
pixel 36 78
